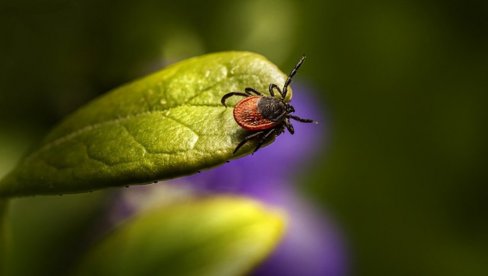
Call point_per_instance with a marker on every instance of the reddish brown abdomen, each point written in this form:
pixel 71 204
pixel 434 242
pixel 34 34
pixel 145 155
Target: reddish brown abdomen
pixel 247 115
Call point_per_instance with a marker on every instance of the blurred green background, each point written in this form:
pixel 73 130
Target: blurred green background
pixel 404 85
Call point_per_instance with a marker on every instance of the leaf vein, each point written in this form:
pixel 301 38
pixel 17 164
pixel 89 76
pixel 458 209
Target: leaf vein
pixel 146 150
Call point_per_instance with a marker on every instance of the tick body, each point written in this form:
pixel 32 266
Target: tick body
pixel 265 116
pixel 251 113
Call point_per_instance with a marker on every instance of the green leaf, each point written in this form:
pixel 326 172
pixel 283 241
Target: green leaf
pixel 168 124
pixel 213 236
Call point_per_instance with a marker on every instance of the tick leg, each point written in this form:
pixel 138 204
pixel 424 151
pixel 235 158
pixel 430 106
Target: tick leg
pixel 250 90
pixel 296 118
pixel 263 139
pixel 247 138
pixel 273 86
pixel 289 126
pixel 279 118
pixel 230 95
pixel 290 76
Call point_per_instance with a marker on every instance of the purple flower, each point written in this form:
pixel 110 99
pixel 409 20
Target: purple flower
pixel 312 245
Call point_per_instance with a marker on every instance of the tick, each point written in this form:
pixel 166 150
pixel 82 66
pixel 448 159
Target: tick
pixel 265 116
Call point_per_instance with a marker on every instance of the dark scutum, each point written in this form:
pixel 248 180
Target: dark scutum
pixel 271 108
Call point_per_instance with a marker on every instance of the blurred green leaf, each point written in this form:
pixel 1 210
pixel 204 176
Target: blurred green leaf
pixel 212 236
pixel 168 124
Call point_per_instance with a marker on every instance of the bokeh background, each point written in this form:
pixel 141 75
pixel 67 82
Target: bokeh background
pixel 403 84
